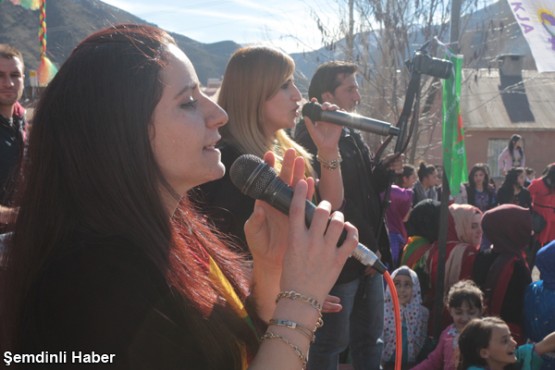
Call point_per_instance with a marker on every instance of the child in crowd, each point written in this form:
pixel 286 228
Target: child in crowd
pixel 487 344
pixel 414 318
pixel 465 301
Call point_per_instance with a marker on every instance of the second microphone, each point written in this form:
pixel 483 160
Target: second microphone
pixel 259 181
pixel 315 112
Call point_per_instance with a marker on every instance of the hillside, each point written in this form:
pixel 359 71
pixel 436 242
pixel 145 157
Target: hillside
pixel 484 34
pixel 69 21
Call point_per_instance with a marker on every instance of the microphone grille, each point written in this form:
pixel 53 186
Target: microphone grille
pixel 251 175
pixel 312 110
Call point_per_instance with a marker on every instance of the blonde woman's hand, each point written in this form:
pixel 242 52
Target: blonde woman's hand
pixel 324 134
pixel 332 304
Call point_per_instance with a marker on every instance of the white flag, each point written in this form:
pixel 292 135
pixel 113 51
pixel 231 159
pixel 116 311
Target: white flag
pixel 536 19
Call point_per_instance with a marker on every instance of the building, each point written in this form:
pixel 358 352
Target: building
pixel 499 102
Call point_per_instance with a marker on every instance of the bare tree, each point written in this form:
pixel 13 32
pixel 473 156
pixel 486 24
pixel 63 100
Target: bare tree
pixel 380 36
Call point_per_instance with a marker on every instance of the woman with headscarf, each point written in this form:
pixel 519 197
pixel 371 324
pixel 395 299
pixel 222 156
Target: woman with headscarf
pixel 423 229
pixel 414 318
pixel 502 271
pixel 460 251
pixel 539 301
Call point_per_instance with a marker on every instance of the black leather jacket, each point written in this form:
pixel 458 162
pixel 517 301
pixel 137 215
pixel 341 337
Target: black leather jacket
pixel 363 181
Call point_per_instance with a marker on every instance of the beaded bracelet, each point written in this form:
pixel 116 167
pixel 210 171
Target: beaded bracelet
pixel 296 326
pixel 298 352
pixel 330 165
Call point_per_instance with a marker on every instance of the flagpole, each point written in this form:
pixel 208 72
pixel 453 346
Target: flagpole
pixel 445 192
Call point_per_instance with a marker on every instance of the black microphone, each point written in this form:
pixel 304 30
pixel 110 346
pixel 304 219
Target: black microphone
pixel 315 112
pixel 259 181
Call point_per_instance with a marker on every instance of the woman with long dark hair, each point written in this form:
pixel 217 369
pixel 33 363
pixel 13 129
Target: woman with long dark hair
pixel 512 155
pixel 108 255
pixel 478 191
pixel 512 189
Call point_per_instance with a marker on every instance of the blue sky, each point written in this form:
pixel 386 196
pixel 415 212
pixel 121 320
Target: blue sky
pixel 287 24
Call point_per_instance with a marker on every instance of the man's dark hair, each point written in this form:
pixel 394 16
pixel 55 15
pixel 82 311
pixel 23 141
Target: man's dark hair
pixel 9 52
pixel 325 78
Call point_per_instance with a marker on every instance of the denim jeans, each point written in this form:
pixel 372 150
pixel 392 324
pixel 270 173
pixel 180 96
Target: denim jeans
pixel 359 324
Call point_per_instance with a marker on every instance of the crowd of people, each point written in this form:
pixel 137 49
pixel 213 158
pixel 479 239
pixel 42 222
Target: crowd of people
pixel 125 236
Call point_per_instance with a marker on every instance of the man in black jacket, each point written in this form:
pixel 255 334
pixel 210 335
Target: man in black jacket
pixel 360 323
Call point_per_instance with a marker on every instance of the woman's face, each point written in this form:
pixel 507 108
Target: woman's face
pixel 479 177
pixel 431 179
pixel 408 181
pixel 476 229
pixel 282 109
pixel 518 144
pixel 184 129
pixel 403 285
pixel 501 349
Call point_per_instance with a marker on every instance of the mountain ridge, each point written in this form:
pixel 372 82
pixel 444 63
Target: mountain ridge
pixel 70 21
pixel 492 31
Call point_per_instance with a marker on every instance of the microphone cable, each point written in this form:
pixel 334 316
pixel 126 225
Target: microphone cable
pixel 397 315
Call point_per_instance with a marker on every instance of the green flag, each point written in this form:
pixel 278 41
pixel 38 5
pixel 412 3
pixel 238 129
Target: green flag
pixel 454 153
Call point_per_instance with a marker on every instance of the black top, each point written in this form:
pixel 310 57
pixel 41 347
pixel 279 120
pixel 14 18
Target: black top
pixel 224 204
pixel 512 307
pixel 507 195
pixel 106 296
pixel 363 181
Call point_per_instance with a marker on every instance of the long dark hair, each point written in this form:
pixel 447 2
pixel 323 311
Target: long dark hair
pixel 511 179
pixel 548 177
pixel 91 166
pixel 476 336
pixel 471 185
pixel 511 145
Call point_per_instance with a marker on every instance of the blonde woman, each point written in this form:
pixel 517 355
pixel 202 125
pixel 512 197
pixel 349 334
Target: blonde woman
pixel 259 94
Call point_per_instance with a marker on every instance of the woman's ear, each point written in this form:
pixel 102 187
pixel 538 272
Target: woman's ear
pixel 484 353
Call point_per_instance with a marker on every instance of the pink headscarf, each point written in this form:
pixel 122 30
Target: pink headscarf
pixel 463 214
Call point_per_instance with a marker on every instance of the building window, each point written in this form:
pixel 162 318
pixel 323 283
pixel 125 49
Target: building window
pixel 495 147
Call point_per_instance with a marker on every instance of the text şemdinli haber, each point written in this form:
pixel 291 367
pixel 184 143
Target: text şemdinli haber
pixel 62 357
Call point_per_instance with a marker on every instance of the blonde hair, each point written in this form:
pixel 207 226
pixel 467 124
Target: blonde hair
pixel 253 75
